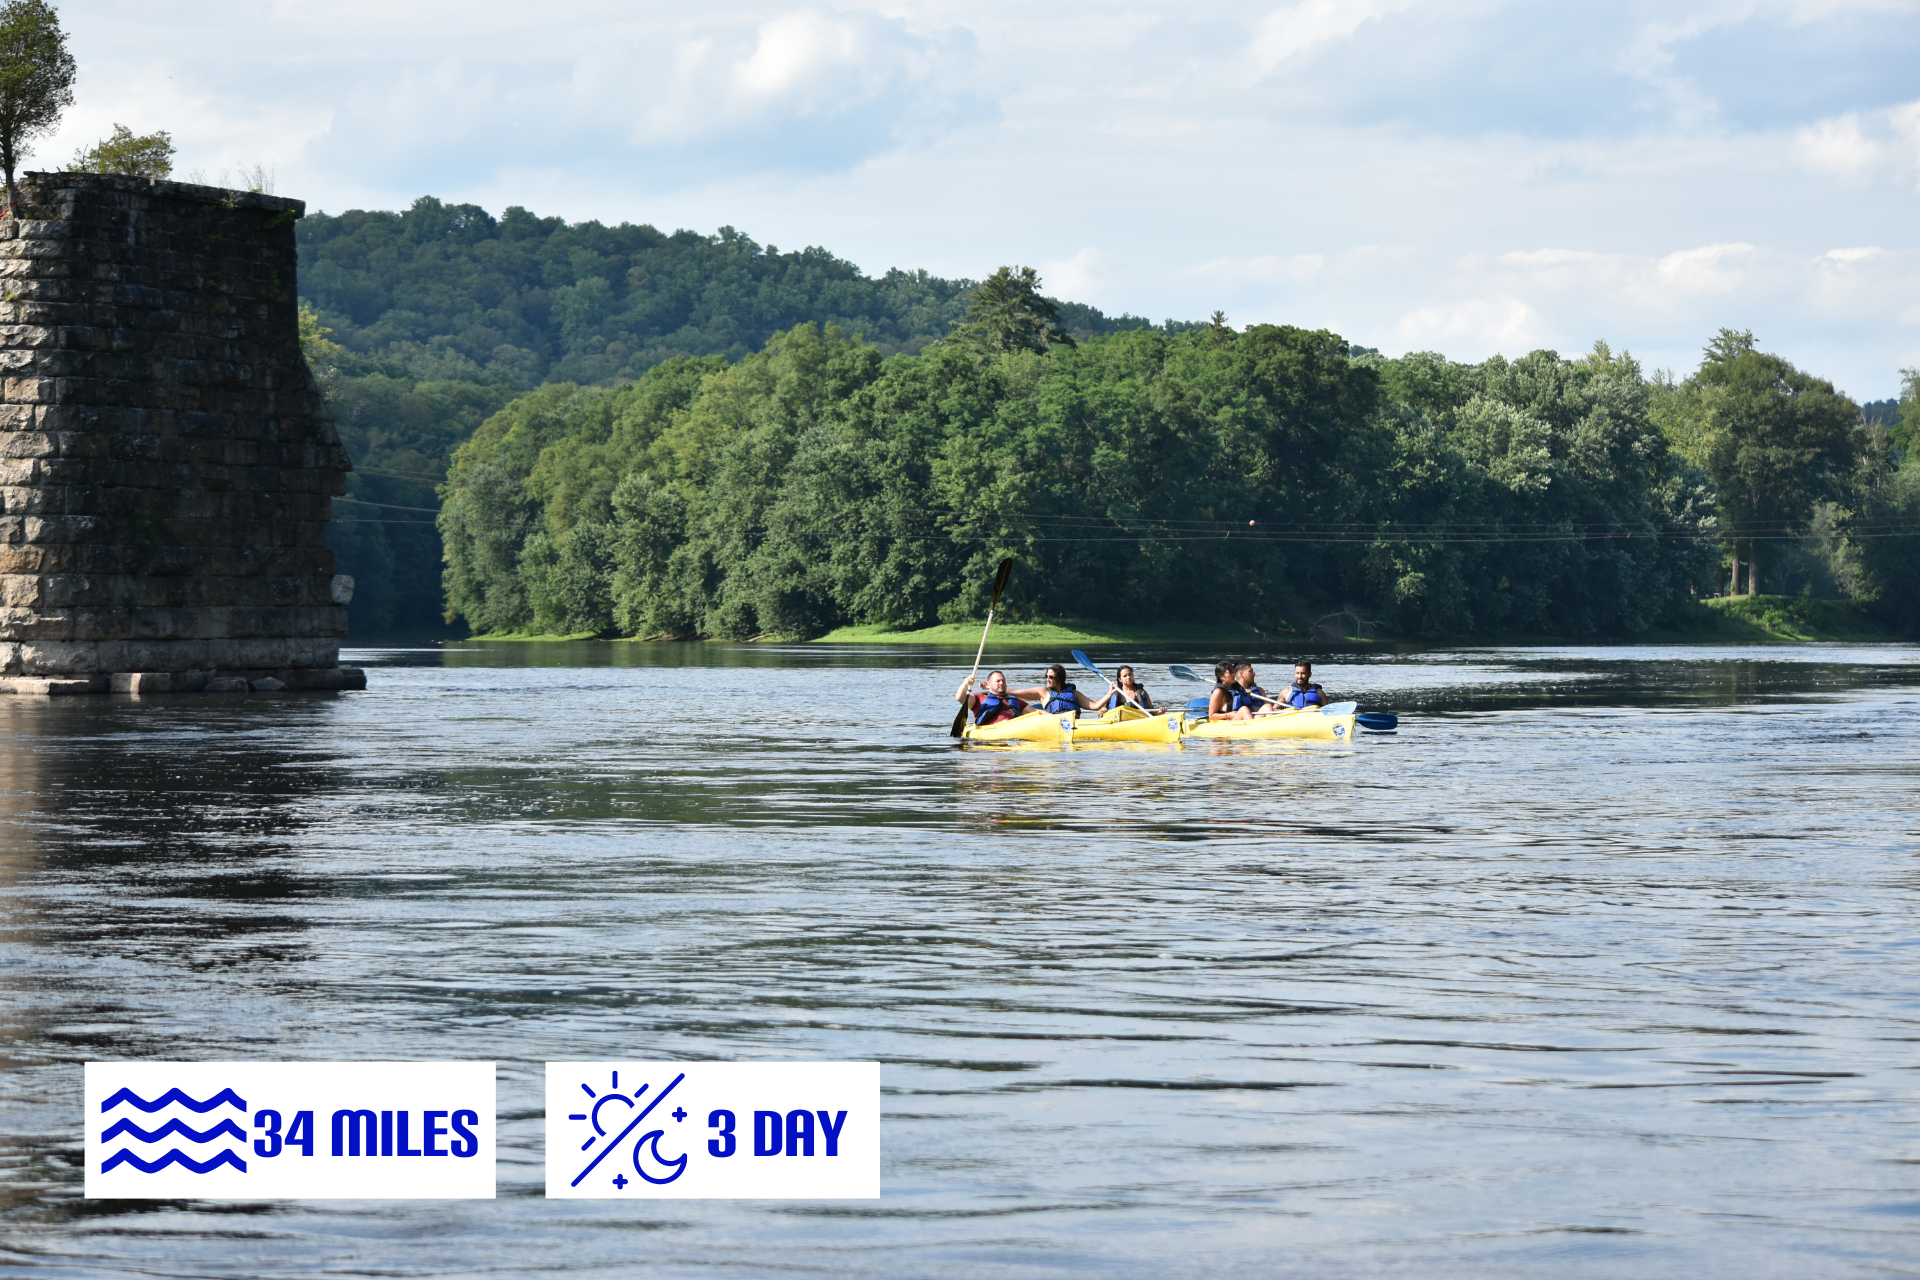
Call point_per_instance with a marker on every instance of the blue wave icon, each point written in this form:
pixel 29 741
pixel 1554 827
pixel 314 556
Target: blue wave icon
pixel 174 1128
pixel 123 1127
pixel 180 1158
pixel 175 1095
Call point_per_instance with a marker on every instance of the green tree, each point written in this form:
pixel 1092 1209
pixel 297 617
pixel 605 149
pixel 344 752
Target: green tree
pixel 145 156
pixel 1906 427
pixel 36 79
pixel 1779 441
pixel 1007 312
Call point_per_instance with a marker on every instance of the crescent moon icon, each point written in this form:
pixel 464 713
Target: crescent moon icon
pixel 651 1139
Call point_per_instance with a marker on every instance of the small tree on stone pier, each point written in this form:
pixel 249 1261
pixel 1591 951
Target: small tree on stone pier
pixel 36 78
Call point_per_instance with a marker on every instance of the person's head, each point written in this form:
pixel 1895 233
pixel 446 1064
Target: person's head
pixel 1223 672
pixel 1243 675
pixel 1056 676
pixel 996 682
pixel 1303 673
pixel 1125 677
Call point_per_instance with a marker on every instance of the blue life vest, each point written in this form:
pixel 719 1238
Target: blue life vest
pixel 1119 699
pixel 1295 696
pixel 1059 700
pixel 993 707
pixel 1244 698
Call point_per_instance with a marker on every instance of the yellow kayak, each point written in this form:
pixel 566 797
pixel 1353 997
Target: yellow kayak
pixel 1124 724
pixel 1280 724
pixel 1127 724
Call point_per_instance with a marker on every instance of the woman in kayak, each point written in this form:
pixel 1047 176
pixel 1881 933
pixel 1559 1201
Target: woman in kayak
pixel 993 703
pixel 1220 701
pixel 1123 688
pixel 1056 695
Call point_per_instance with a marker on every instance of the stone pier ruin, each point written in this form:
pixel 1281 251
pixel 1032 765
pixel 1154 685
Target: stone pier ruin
pixel 167 467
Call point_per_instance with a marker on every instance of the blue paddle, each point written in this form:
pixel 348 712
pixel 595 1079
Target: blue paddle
pixel 1378 721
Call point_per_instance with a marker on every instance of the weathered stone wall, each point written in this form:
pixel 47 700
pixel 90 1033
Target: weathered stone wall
pixel 167 467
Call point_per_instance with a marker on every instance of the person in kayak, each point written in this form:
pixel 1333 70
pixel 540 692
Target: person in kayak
pixel 1220 701
pixel 993 703
pixel 1303 692
pixel 1124 688
pixel 1247 699
pixel 1056 695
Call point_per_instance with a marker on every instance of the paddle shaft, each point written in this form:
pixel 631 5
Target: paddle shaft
pixel 966 702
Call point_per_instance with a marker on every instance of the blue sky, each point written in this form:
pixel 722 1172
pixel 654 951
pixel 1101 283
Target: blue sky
pixel 1467 177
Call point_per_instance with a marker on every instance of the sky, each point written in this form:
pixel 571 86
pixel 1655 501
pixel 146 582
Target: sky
pixel 1469 177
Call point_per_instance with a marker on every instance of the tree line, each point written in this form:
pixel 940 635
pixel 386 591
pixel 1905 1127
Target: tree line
pixel 1275 476
pixel 439 315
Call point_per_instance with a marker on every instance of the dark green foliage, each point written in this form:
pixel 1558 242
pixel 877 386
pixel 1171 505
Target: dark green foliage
pixel 1268 477
pixel 36 79
pixel 1006 313
pixel 1881 531
pixel 443 313
pixel 1781 442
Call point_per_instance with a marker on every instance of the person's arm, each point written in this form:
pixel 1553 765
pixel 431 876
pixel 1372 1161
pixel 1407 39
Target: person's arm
pixel 1217 702
pixel 1036 694
pixel 963 693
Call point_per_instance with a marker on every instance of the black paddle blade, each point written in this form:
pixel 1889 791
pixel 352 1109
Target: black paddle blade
pixel 1000 577
pixel 959 719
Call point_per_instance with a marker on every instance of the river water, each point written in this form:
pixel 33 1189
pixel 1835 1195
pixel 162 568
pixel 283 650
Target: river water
pixel 1604 965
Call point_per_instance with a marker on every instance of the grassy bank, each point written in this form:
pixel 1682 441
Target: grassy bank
pixel 1070 632
pixel 1790 618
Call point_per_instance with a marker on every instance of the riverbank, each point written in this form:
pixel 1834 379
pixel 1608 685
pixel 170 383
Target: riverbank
pixel 1732 620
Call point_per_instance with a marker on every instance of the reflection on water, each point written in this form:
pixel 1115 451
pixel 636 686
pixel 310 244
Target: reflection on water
pixel 1601 966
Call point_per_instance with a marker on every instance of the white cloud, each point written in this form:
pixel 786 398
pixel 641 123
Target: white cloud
pixel 1485 325
pixel 811 69
pixel 1838 146
pixel 1301 28
pixel 1076 278
pixel 1713 268
pixel 1266 269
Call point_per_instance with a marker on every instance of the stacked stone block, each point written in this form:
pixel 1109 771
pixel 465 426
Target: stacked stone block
pixel 167 467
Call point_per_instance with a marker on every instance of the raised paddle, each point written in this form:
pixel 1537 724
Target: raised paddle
pixel 1000 577
pixel 1098 674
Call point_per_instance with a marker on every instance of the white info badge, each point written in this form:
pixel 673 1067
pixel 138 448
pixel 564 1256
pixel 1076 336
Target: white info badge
pixel 290 1130
pixel 713 1130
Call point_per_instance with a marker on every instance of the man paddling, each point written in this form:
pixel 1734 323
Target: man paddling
pixel 1303 692
pixel 993 703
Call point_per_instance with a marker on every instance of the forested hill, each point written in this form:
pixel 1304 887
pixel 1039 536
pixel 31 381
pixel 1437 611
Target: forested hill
pixel 444 313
